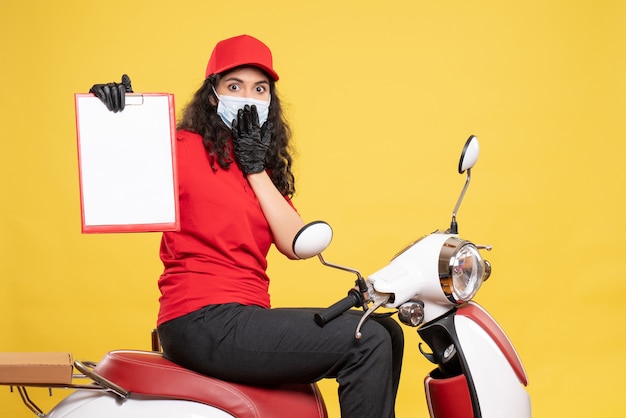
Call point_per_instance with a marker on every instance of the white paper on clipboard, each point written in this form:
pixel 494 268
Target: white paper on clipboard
pixel 127 164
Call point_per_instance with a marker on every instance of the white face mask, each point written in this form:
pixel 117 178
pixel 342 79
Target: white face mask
pixel 229 105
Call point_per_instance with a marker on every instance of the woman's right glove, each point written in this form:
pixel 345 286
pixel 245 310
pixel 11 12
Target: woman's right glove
pixel 113 95
pixel 251 141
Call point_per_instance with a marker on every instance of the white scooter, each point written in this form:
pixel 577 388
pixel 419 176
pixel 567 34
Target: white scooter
pixel 430 284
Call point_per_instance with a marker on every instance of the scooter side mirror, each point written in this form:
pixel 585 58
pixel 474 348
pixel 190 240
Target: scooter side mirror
pixel 469 154
pixel 312 239
pixel 466 162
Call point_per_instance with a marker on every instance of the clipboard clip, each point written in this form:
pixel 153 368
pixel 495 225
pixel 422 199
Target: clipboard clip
pixel 134 99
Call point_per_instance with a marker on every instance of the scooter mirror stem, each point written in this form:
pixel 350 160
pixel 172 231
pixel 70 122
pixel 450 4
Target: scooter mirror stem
pixel 338 267
pixel 359 282
pixel 454 227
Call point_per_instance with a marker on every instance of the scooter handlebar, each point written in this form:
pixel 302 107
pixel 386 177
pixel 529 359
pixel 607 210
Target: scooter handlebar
pixel 354 299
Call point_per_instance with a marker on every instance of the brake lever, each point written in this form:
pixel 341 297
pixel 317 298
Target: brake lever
pixel 377 304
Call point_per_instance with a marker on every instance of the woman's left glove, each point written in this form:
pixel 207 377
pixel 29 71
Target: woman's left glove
pixel 113 95
pixel 251 141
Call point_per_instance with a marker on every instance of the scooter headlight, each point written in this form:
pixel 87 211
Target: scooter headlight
pixel 461 270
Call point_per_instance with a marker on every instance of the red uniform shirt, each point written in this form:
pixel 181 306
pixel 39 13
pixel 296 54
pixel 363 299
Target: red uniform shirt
pixel 219 255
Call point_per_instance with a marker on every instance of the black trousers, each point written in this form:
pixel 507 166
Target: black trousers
pixel 253 345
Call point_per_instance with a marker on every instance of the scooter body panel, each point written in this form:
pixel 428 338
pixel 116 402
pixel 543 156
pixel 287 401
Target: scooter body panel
pixel 83 404
pixel 494 372
pixel 449 397
pixel 479 373
pixel 479 315
pixel 415 273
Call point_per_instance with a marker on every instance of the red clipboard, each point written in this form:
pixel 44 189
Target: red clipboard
pixel 127 164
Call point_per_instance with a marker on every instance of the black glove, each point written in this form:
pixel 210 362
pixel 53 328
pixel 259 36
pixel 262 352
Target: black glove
pixel 250 141
pixel 113 95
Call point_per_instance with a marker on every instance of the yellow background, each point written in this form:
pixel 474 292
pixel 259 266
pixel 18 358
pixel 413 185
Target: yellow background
pixel 381 96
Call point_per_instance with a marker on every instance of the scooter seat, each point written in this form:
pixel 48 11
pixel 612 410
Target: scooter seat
pixel 150 374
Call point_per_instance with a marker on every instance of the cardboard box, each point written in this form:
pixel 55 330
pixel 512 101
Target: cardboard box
pixel 36 368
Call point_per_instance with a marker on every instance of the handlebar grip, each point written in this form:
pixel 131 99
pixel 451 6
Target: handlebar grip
pixel 354 299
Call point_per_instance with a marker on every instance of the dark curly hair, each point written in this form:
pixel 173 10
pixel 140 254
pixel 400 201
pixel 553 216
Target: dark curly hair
pixel 200 116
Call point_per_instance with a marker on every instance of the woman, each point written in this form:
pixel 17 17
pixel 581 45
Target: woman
pixel 235 188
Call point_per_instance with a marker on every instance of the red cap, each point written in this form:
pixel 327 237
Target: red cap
pixel 240 50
